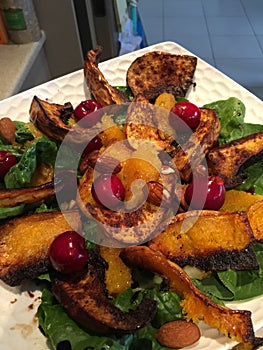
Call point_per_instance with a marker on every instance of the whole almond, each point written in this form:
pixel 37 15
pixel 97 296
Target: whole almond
pixel 7 129
pixel 92 158
pixel 178 334
pixel 108 165
pixel 157 194
pixel 102 164
pixel 88 160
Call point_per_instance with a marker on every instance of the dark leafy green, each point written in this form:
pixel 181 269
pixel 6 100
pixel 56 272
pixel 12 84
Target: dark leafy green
pixel 231 113
pixel 120 119
pixel 254 180
pixel 222 286
pixel 59 327
pixel 23 134
pixel 16 151
pixel 212 287
pixel 232 285
pixel 9 212
pixel 42 150
pixel 126 90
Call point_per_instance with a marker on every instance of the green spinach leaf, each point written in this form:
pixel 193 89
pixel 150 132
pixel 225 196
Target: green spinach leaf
pixel 23 134
pixel 59 327
pixel 41 150
pixel 231 113
pixel 9 212
pixel 232 285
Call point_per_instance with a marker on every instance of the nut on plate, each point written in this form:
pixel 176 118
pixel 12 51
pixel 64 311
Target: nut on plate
pixel 157 194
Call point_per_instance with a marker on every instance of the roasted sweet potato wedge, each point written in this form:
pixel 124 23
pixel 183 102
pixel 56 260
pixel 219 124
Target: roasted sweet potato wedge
pixel 12 197
pixel 209 240
pixel 127 226
pixel 24 243
pixel 190 154
pixel 103 92
pixel 255 218
pixel 84 297
pixel 236 324
pixel 141 125
pixel 47 117
pixel 236 200
pixel 229 160
pixel 156 72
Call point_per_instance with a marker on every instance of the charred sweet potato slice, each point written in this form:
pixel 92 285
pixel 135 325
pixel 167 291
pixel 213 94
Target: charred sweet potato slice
pixel 24 243
pixel 236 200
pixel 13 197
pixel 85 299
pixel 191 153
pixel 236 324
pixel 47 117
pixel 98 85
pixel 141 124
pixel 209 240
pixel 133 227
pixel 127 226
pixel 156 72
pixel 255 218
pixel 229 160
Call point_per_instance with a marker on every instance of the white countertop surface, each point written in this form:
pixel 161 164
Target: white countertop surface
pixel 15 63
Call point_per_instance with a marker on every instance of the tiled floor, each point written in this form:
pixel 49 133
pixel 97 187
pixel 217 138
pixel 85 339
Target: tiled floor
pixel 225 33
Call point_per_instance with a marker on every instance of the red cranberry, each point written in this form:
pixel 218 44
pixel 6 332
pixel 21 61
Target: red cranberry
pixel 188 112
pixel 88 112
pixel 108 191
pixel 7 160
pixel 94 145
pixel 215 193
pixel 67 252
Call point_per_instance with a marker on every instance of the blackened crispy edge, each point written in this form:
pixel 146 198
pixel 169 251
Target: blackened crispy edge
pixel 84 297
pixel 221 260
pixel 18 274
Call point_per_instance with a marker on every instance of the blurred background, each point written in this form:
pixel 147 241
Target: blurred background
pixel 228 34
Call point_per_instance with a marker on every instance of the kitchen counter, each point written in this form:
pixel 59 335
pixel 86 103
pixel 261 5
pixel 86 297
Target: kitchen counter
pixel 16 62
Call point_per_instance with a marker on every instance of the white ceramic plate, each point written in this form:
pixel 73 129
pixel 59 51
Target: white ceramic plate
pixel 18 324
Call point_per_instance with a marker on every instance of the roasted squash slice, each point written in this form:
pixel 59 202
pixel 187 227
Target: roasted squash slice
pixel 98 85
pixel 255 218
pixel 141 124
pixel 229 160
pixel 138 219
pixel 209 240
pixel 84 297
pixel 156 72
pixel 236 200
pixel 47 117
pixel 25 241
pixel 236 324
pixel 190 154
pixel 12 197
pixel 123 227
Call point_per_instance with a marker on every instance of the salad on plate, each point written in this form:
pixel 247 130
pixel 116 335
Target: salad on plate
pixel 135 211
